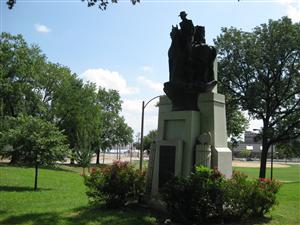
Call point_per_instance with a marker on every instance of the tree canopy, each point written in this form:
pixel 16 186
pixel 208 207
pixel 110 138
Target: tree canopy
pixel 33 87
pixel 261 72
pixel 102 4
pixel 34 141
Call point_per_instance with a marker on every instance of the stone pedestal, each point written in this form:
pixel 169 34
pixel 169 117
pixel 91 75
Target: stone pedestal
pixel 213 120
pixel 181 140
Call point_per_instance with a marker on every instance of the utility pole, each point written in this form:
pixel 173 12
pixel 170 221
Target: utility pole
pixel 142 130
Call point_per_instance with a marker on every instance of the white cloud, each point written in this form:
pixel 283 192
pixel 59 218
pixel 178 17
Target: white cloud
pixel 292 8
pixel 158 87
pixel 108 79
pixel 42 28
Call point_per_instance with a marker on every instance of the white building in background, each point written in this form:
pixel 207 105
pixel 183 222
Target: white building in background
pixel 250 143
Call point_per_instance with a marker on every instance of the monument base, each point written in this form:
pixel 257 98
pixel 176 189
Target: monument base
pixel 189 138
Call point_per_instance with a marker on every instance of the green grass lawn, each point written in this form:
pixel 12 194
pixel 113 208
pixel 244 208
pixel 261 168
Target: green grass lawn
pixel 61 199
pixel 287 212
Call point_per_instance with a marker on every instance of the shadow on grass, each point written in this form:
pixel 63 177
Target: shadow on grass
pixel 60 167
pixel 111 217
pixel 34 219
pixel 82 216
pixel 87 215
pixel 21 189
pixel 72 168
pixel 3 212
pixel 253 221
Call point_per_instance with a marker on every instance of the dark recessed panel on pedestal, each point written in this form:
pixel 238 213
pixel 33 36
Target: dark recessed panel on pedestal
pixel 166 163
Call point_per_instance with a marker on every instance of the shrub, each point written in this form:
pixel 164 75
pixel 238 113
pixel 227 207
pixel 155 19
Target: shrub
pixel 262 196
pixel 206 196
pixel 196 198
pixel 115 185
pixel 237 191
pixel 248 198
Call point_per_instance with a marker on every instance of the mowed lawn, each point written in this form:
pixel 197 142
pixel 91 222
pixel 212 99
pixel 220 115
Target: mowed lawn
pixel 61 199
pixel 287 212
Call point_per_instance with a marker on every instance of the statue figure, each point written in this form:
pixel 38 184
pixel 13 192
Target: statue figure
pixel 190 65
pixel 187 31
pixel 203 57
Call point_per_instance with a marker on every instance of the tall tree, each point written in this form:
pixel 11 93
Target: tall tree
pixel 261 71
pixel 102 4
pixel 110 104
pixel 79 115
pixel 123 133
pixel 148 140
pixel 288 149
pixel 36 141
pixel 21 67
pixel 89 123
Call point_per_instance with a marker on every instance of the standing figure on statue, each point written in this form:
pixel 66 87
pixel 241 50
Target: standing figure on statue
pixel 187 31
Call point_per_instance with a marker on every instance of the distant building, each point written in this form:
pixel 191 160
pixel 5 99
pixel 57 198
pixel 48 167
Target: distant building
pixel 250 143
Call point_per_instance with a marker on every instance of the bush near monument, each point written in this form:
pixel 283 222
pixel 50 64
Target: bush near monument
pixel 115 185
pixel 187 203
pixel 206 196
pixel 245 198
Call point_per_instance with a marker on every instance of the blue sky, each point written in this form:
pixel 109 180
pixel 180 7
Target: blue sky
pixel 125 47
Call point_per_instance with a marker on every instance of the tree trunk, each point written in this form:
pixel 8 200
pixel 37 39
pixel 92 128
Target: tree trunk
pixel 98 156
pixel 103 156
pixel 117 153
pixel 130 153
pixel 263 158
pixel 14 159
pixel 36 176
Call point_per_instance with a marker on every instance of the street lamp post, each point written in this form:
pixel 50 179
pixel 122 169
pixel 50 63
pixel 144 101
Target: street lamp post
pixel 272 149
pixel 142 130
pixel 142 136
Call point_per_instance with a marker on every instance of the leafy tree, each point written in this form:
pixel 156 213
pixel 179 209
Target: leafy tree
pixel 288 149
pixel 20 70
pixel 36 141
pixel 30 85
pixel 79 115
pixel 27 81
pixel 110 104
pixel 261 71
pixel 123 133
pixel 88 120
pixel 245 153
pixel 149 139
pixel 53 79
pixel 102 4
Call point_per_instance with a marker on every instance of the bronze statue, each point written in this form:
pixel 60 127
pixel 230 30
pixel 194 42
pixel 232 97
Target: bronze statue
pixel 187 31
pixel 190 65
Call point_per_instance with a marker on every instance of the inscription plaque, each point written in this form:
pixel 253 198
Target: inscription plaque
pixel 166 163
